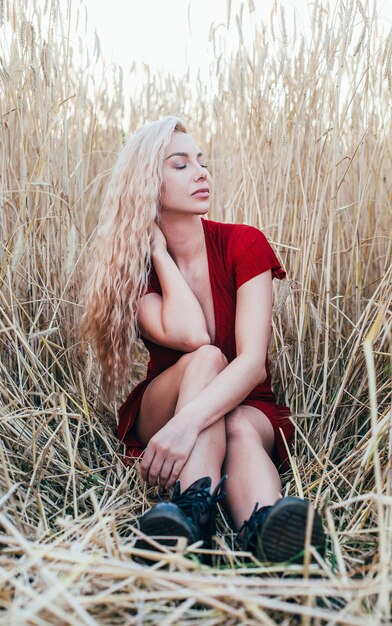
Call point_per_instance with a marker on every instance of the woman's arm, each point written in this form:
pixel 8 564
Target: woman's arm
pixel 175 319
pixel 236 381
pixel 174 442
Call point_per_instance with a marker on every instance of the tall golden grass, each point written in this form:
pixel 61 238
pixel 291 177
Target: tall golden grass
pixel 298 130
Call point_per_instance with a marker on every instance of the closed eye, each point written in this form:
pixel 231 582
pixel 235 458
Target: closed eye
pixel 181 167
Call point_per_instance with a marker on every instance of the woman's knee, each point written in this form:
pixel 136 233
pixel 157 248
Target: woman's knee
pixel 240 426
pixel 205 358
pixel 237 425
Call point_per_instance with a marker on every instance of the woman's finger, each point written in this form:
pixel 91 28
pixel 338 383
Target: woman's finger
pixel 175 472
pixel 146 463
pixel 155 469
pixel 165 473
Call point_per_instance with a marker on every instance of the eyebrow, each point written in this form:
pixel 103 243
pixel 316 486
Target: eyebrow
pixel 185 154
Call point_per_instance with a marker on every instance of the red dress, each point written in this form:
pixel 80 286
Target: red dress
pixel 236 253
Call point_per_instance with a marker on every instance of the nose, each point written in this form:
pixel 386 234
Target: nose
pixel 201 172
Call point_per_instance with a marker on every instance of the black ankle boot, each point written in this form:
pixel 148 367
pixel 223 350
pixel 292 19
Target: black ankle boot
pixel 277 533
pixel 248 531
pixel 190 514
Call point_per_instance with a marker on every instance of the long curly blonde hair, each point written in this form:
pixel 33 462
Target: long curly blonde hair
pixel 117 274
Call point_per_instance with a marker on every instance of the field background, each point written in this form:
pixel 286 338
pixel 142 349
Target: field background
pixel 298 134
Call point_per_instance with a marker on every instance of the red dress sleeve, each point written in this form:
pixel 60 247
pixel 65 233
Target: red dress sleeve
pixel 153 285
pixel 253 255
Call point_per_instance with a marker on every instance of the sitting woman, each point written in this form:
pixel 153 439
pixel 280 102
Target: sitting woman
pixel 199 292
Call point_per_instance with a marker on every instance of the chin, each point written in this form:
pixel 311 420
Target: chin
pixel 202 211
pixel 191 211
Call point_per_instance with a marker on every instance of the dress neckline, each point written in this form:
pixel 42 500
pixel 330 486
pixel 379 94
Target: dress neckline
pixel 210 276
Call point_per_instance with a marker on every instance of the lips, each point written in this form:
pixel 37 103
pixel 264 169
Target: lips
pixel 202 190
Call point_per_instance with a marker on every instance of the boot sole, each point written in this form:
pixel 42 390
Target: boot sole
pixel 165 524
pixel 282 536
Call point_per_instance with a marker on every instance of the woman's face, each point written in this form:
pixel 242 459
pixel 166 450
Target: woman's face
pixel 184 174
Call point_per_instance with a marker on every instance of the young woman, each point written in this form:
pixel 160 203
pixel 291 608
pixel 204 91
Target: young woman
pixel 199 292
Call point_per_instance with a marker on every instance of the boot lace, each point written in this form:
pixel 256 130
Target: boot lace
pixel 197 500
pixel 249 525
pixel 248 528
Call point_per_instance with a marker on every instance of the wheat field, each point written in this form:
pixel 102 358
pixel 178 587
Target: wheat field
pixel 298 134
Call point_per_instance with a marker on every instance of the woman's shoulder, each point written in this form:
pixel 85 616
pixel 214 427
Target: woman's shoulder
pixel 234 234
pixel 245 249
pixel 231 229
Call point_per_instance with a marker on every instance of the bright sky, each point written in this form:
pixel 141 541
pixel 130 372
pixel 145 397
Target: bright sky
pixel 173 35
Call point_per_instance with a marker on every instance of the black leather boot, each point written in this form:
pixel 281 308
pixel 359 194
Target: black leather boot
pixel 277 533
pixel 190 514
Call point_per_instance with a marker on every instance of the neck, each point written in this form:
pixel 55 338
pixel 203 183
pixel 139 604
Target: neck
pixel 184 236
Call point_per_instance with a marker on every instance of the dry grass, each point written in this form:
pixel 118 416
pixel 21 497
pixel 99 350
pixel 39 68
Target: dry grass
pixel 300 144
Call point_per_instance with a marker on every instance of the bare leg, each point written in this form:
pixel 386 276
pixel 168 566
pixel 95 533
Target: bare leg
pixel 170 391
pixel 210 447
pixel 253 476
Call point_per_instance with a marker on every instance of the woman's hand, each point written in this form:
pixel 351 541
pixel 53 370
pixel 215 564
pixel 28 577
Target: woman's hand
pixel 168 451
pixel 158 238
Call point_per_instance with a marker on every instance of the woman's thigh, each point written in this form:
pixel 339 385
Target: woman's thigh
pixel 159 401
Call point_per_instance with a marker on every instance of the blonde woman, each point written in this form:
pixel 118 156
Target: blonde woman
pixel 199 293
